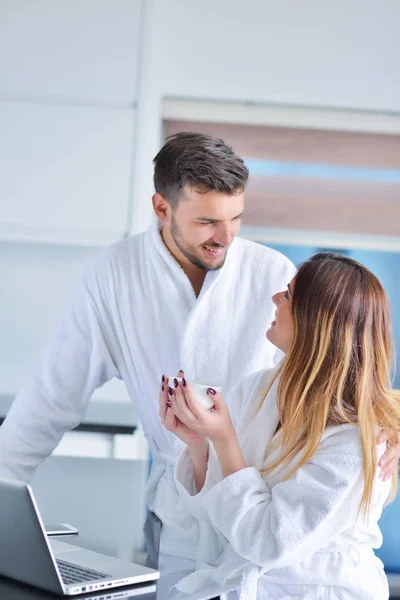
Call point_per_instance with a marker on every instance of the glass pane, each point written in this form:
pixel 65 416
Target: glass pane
pixel 304 179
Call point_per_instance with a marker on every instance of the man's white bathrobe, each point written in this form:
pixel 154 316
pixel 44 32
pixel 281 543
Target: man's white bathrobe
pixel 277 539
pixel 136 316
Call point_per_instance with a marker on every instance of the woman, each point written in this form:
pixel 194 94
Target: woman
pixel 286 496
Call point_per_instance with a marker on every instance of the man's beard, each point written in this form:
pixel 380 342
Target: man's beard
pixel 187 250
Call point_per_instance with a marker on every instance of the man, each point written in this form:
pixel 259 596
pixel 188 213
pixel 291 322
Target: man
pixel 184 295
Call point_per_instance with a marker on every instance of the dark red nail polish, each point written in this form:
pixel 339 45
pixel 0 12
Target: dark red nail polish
pixel 175 382
pixel 170 391
pixel 163 378
pixel 183 382
pixel 162 387
pixel 169 404
pixel 211 391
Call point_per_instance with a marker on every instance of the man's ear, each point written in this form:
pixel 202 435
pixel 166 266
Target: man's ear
pixel 161 207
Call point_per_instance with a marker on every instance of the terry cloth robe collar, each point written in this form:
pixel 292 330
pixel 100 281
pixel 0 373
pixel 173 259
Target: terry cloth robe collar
pixel 158 249
pixel 211 276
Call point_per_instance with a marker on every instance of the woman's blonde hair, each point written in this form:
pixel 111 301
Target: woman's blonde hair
pixel 338 367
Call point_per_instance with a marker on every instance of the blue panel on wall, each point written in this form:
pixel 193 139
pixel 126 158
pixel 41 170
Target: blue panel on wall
pixel 386 266
pixel 389 524
pixel 321 171
pixel 297 254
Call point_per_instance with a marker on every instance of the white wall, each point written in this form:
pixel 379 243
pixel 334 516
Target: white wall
pixel 339 54
pixel 342 55
pixel 68 91
pixel 81 91
pixel 70 52
pixel 76 166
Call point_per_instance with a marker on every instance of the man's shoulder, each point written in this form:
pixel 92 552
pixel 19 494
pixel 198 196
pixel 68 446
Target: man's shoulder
pixel 116 261
pixel 121 253
pixel 262 260
pixel 258 251
pixel 127 247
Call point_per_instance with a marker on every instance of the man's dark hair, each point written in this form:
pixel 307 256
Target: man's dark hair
pixel 204 162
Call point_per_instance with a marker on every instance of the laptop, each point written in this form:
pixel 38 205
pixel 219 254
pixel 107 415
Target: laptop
pixel 29 556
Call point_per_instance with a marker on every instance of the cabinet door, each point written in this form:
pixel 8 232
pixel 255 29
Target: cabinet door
pixel 64 172
pixel 81 50
pixel 310 53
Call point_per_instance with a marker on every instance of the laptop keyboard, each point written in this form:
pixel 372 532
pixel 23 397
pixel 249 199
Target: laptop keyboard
pixel 73 574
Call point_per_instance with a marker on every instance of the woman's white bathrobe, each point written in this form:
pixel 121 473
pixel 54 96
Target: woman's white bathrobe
pixel 297 539
pixel 134 317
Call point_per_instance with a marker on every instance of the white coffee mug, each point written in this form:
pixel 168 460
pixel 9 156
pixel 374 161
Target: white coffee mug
pixel 199 390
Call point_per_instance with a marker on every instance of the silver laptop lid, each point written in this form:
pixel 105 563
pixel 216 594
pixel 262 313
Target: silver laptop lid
pixel 25 553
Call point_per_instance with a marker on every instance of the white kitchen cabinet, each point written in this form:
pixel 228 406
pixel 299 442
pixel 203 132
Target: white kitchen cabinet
pixel 83 51
pixel 65 172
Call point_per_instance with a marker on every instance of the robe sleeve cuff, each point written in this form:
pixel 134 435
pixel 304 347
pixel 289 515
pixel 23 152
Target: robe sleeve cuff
pixel 225 498
pixel 185 482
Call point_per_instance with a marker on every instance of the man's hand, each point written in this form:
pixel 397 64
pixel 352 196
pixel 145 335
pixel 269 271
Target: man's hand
pixel 389 462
